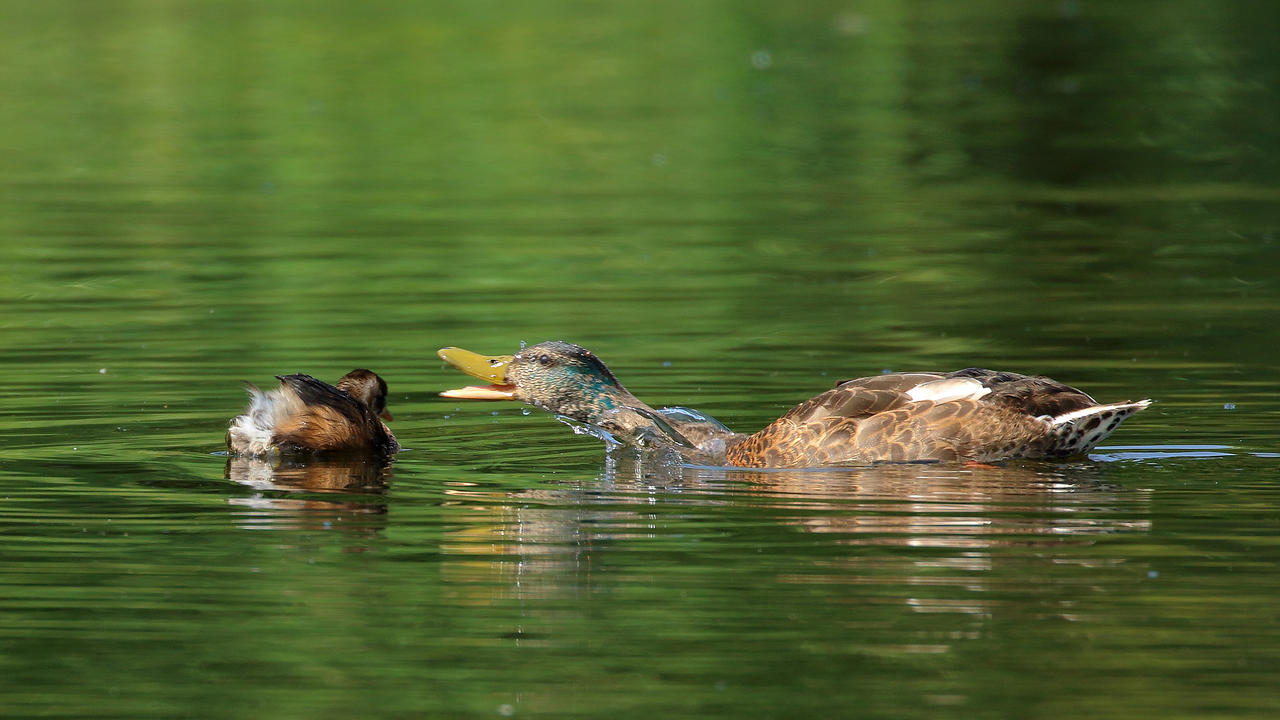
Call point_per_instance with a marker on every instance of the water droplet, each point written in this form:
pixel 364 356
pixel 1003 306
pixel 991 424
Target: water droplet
pixel 761 59
pixel 666 363
pixel 525 411
pixel 1153 574
pixel 506 710
pixel 102 371
pixel 851 24
pixel 1229 406
pixel 495 412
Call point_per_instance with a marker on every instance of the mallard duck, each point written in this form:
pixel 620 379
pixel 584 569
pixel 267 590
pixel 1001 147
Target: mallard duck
pixel 305 414
pixel 967 415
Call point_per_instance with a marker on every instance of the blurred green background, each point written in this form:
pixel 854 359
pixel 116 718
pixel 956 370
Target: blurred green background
pixel 734 204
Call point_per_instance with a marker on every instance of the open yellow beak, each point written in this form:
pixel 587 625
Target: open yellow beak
pixel 486 367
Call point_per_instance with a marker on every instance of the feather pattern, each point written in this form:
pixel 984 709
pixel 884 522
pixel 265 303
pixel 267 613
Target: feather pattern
pixel 974 414
pixel 971 414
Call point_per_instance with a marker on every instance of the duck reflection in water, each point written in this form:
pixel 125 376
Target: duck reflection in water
pixel 951 506
pixel 961 531
pixel 313 493
pixel 368 475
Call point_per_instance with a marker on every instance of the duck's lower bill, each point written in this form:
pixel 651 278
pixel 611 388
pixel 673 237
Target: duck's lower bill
pixel 486 367
pixel 482 392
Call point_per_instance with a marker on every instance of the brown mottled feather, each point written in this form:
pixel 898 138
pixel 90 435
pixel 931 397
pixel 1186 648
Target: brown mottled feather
pixel 873 419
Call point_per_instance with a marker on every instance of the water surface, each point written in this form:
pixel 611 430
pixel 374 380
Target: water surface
pixel 734 205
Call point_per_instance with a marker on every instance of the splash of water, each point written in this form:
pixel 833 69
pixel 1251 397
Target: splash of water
pixel 687 414
pixel 581 428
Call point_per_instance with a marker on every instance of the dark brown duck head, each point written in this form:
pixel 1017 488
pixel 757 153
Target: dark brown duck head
pixel 368 388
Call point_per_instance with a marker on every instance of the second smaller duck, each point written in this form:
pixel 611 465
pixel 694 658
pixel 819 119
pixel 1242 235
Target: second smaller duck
pixel 307 415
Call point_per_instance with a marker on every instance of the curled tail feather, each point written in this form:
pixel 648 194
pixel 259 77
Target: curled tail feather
pixel 1079 431
pixel 253 433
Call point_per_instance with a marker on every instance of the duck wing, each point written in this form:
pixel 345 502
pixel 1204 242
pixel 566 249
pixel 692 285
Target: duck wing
pixel 1034 395
pixel 316 393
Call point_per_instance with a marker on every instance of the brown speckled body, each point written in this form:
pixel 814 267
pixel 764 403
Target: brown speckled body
pixel 967 415
pixel 955 430
pixel 875 419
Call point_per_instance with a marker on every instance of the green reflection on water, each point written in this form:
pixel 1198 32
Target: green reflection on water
pixel 734 205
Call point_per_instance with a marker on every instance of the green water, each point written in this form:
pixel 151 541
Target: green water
pixel 734 205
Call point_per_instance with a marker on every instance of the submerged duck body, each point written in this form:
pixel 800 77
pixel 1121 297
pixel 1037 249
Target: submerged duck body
pixel 967 415
pixel 307 415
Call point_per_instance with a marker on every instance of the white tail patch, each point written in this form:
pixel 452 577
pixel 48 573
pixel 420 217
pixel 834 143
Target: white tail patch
pixel 1080 430
pixel 251 433
pixel 948 389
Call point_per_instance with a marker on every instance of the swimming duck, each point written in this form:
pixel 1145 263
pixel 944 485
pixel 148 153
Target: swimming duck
pixel 305 414
pixel 968 415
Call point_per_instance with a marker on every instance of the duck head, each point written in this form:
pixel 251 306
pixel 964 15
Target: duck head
pixel 368 388
pixel 570 381
pixel 556 376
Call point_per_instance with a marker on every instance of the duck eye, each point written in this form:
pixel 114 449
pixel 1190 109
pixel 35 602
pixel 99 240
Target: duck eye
pixel 545 361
